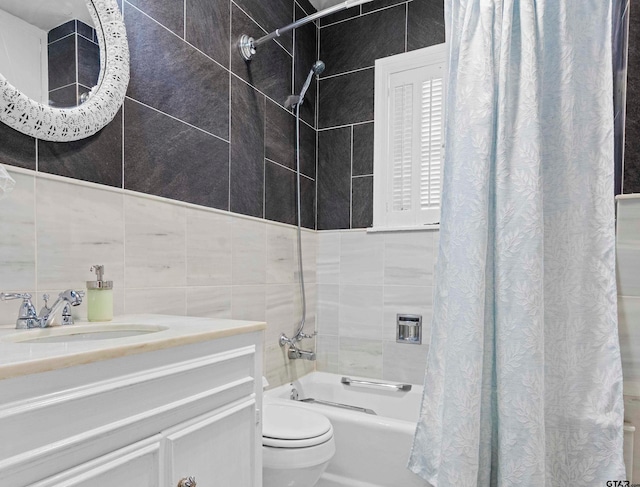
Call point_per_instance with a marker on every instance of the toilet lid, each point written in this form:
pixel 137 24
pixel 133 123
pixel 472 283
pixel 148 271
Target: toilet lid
pixel 293 427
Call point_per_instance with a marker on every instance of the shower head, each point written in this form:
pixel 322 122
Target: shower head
pixel 317 68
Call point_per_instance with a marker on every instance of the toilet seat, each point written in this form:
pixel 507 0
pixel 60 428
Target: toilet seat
pixel 292 427
pixel 297 445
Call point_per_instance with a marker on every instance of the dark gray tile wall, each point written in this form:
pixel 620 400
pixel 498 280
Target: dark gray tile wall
pixel 208 28
pixel 62 62
pixel 346 99
pixel 152 139
pixel 247 149
pixel 350 42
pixel 425 23
pixel 361 199
pixel 61 31
pixel 17 149
pixel 64 97
pixel 357 44
pixel 88 62
pixel 173 77
pixel 74 62
pixel 97 159
pixel 280 196
pixel 199 124
pixel 334 178
pixel 271 15
pixel 305 56
pixel 363 149
pixel 631 177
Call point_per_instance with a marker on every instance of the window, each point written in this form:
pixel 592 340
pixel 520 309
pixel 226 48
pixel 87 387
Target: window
pixel 409 138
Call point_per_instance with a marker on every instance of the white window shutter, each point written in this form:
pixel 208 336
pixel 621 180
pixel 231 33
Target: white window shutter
pixel 402 147
pixel 431 149
pixel 409 137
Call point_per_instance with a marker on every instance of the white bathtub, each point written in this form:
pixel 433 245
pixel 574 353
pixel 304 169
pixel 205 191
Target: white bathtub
pixel 371 450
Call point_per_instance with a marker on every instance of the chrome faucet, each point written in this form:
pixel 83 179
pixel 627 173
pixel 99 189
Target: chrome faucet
pixel 29 318
pixel 65 299
pixel 294 352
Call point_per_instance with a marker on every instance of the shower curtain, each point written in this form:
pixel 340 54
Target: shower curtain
pixel 523 384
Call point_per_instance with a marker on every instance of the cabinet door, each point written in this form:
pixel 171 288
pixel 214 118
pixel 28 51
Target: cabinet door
pixel 218 449
pixel 136 465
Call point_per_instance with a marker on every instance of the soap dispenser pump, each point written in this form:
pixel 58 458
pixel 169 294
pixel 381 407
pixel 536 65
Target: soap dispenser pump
pixel 99 297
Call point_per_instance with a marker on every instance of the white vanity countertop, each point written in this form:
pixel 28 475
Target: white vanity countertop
pixel 17 359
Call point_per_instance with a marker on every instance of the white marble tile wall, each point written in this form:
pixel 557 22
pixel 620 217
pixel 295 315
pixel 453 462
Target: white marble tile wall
pixel 163 256
pixel 363 281
pixel 628 276
pixel 628 273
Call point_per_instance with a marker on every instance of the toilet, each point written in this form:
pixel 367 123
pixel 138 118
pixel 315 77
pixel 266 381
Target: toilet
pixel 297 445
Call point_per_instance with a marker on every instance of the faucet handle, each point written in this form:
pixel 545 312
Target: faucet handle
pixel 10 296
pixel 27 315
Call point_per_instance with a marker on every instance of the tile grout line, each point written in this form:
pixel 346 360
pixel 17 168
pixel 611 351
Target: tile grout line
pixel 63 37
pixel 347 125
pixel 35 234
pixel 384 291
pixel 186 256
pixel 264 160
pixel 267 97
pixel 351 180
pixel 316 122
pixel 62 87
pixel 122 121
pixel 77 60
pixel 230 111
pixel 339 297
pixel 406 28
pixel 124 252
pixel 288 168
pixel 177 119
pixel 364 14
pixel 344 73
pixel 233 2
pixel 293 61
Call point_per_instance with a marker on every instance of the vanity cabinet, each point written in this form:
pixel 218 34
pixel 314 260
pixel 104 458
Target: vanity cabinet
pixel 137 466
pixel 213 447
pixel 143 420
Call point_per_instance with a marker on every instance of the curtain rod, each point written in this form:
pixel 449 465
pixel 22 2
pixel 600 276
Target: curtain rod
pixel 248 44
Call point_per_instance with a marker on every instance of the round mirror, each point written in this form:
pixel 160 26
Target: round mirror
pixel 64 66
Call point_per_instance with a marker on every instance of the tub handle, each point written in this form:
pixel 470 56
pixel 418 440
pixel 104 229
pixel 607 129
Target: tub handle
pixel 385 385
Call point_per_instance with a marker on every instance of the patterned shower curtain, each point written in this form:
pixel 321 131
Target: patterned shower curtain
pixel 523 384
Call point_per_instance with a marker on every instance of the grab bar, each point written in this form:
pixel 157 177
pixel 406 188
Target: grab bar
pixel 398 387
pixel 311 400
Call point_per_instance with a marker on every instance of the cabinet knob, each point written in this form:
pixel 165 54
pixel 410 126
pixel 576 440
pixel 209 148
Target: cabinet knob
pixel 187 482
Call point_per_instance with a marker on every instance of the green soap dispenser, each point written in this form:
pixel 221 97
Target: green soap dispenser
pixel 99 297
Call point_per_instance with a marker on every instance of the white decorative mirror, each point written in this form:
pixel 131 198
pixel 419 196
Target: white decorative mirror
pixel 29 106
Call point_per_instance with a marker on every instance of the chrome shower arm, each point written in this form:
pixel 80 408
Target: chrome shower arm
pixel 248 44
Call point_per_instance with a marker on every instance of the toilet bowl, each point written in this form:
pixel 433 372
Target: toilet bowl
pixel 297 446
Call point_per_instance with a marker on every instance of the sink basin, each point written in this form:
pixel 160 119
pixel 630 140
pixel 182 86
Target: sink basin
pixel 81 333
